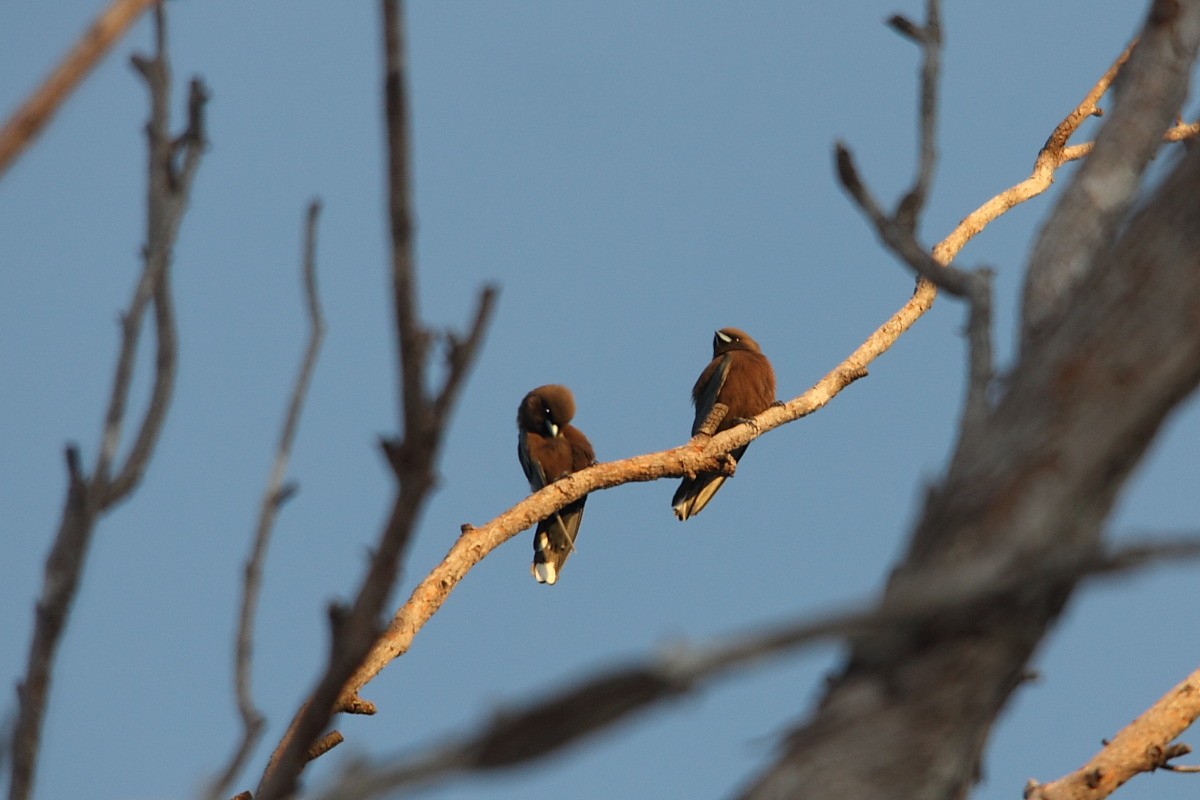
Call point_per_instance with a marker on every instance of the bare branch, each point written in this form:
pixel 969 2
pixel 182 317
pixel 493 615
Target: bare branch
pixel 168 191
pixel 411 337
pixel 88 497
pixel 27 121
pixel 64 565
pixel 530 732
pixel 1088 107
pixel 1142 746
pixel 1049 159
pixel 460 352
pixel 898 234
pixel 1182 132
pixel 906 28
pixel 930 42
pixel 273 496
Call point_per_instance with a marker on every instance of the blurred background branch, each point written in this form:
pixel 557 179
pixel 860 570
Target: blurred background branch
pixel 89 497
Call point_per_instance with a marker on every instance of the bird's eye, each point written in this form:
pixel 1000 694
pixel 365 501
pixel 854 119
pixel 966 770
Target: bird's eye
pixel 546 411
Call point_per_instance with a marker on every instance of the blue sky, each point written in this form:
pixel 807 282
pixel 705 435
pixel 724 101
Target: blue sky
pixel 633 175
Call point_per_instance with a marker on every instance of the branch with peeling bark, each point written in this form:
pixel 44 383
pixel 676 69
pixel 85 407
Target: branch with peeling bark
pixel 172 165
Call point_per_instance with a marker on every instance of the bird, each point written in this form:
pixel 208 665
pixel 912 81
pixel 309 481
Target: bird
pixel 549 448
pixel 741 378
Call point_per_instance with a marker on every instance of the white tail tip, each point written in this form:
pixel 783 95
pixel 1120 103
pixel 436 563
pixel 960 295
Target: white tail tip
pixel 543 572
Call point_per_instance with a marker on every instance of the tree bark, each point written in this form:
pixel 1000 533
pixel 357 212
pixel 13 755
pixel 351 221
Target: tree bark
pixel 909 715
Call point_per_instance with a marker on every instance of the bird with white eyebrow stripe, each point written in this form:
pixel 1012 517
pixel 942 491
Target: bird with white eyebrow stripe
pixel 741 379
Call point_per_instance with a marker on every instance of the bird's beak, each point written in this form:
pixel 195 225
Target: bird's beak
pixel 723 337
pixel 551 428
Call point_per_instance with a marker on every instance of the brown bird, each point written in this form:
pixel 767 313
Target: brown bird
pixel 740 377
pixel 549 448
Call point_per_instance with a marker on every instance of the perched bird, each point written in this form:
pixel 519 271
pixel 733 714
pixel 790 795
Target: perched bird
pixel 549 448
pixel 739 377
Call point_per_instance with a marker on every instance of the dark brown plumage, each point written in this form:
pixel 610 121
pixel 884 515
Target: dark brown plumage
pixel 549 448
pixel 740 377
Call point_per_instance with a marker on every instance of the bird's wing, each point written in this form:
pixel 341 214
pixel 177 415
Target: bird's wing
pixel 532 469
pixel 708 387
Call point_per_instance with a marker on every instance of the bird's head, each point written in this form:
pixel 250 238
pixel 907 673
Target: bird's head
pixel 728 339
pixel 546 409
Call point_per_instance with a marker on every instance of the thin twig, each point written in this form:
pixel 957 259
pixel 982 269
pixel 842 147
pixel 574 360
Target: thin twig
pixel 273 497
pixel 88 497
pixel 898 234
pixel 27 122
pixel 929 38
pixel 532 731
pixel 1050 157
pixel 460 352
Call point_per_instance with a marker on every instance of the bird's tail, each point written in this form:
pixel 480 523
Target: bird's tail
pixel 554 541
pixel 693 494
